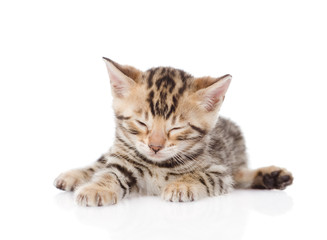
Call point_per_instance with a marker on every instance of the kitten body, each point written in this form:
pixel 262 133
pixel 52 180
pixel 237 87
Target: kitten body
pixel 169 142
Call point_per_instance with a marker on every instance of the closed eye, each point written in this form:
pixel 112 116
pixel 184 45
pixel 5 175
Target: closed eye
pixel 141 123
pixel 174 129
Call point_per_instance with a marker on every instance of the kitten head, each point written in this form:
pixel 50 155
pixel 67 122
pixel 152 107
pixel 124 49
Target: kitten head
pixel 163 111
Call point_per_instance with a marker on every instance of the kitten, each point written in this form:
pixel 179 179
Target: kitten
pixel 169 142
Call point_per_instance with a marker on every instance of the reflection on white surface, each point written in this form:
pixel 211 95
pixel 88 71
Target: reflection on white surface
pixel 224 216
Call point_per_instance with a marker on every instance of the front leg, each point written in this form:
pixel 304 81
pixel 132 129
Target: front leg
pixel 70 180
pixel 212 181
pixel 107 186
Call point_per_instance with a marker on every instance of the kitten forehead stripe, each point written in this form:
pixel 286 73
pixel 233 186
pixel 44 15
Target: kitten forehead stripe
pixel 150 77
pixel 150 101
pixel 166 82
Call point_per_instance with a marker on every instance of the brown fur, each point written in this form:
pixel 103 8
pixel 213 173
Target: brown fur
pixel 169 141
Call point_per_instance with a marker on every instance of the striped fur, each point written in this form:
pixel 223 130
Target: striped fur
pixel 169 141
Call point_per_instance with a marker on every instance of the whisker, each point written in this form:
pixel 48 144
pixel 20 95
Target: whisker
pixel 188 166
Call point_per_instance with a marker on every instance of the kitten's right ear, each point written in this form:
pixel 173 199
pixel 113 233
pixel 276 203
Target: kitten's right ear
pixel 212 91
pixel 122 78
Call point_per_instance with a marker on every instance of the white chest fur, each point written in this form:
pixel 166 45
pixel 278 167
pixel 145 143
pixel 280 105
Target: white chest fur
pixel 153 185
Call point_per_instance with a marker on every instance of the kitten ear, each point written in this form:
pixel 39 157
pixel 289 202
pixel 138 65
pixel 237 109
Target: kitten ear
pixel 213 91
pixel 122 78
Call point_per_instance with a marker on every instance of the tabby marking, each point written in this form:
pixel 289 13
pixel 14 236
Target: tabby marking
pixel 169 141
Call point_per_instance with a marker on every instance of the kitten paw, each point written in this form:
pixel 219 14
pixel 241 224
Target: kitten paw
pixel 273 178
pixel 181 192
pixel 68 181
pixel 93 195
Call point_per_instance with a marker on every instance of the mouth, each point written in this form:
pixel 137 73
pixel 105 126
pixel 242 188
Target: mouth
pixel 157 156
pixel 160 156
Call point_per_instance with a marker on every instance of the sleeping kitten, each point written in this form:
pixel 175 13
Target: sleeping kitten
pixel 169 142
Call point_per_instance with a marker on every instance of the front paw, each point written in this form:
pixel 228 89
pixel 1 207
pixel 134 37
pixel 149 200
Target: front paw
pixel 68 181
pixel 181 192
pixel 93 195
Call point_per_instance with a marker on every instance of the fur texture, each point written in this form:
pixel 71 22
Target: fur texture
pixel 169 141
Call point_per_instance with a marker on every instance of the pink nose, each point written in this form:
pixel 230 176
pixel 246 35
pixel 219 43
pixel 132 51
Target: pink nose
pixel 155 148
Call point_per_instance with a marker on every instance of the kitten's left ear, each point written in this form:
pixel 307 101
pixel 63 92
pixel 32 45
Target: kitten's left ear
pixel 212 91
pixel 122 77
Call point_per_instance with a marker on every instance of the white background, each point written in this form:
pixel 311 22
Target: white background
pixel 56 111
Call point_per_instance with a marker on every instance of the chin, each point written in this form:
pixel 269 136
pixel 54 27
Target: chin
pixel 157 157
